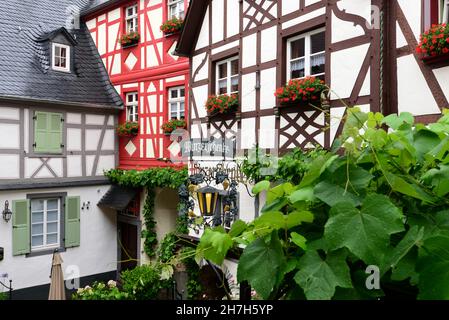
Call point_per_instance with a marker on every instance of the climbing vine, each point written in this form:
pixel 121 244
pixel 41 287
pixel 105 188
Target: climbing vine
pixel 149 234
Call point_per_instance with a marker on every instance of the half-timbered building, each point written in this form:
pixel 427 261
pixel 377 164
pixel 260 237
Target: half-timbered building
pixel 153 83
pixel 364 50
pixel 58 112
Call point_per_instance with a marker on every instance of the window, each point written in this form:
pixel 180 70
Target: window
pixel 306 56
pixel 176 9
pixel 48 127
pixel 132 107
pixel 45 223
pixel 435 11
pixel 61 57
pixel 131 19
pixel 176 101
pixel 133 208
pixel 227 74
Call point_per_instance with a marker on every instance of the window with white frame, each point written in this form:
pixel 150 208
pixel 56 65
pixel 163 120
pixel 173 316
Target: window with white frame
pixel 61 57
pixel 227 74
pixel 131 19
pixel 306 55
pixel 176 102
pixel 45 223
pixel 444 11
pixel 176 9
pixel 132 107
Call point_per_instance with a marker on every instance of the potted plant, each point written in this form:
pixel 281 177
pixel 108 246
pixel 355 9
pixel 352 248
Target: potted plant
pixel 173 124
pixel 172 26
pixel 128 129
pixel 222 104
pixel 129 39
pixel 434 44
pixel 300 91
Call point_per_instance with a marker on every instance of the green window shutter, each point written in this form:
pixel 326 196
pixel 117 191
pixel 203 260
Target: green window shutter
pixel 21 227
pixel 72 222
pixel 48 132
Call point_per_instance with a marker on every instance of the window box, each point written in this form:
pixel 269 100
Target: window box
pixel 222 104
pixel 171 125
pixel 128 129
pixel 434 45
pixel 130 39
pixel 172 26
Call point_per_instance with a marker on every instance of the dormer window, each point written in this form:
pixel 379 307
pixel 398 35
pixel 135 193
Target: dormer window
pixel 61 57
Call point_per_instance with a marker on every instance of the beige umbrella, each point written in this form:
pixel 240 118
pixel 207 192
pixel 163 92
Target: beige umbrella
pixel 57 287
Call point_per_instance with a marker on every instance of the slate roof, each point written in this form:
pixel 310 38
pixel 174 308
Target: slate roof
pixel 26 29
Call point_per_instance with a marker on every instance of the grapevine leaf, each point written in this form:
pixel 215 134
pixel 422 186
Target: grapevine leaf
pixel 366 232
pixel 260 263
pixel 433 268
pixel 299 240
pixel 304 194
pixel 319 278
pixel 331 194
pixel 261 186
pixel 214 245
pixel 277 220
pixel 237 228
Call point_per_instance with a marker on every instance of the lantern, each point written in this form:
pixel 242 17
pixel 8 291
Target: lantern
pixel 207 200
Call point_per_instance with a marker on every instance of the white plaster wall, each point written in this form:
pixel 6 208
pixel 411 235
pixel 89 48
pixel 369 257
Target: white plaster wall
pixel 233 17
pixel 155 19
pixel 218 20
pixel 343 30
pixel 249 51
pixel 267 132
pixel 230 45
pixel 414 96
pixel 303 18
pixel 442 75
pixel 200 94
pixel 344 71
pixel 269 44
pixel 101 45
pixel 9 165
pixel 412 11
pixel 203 38
pixel 248 140
pixel 9 136
pixel 248 92
pixel 96 254
pixel 9 113
pixel 289 6
pixel 267 88
pixel 203 72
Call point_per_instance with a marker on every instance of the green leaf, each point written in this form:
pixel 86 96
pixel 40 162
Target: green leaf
pixel 299 240
pixel 275 193
pixel 319 278
pixel 237 228
pixel 399 184
pixel 413 238
pixel 331 194
pixel 214 245
pixel 317 167
pixel 277 220
pixel 424 141
pixel 405 268
pixel 304 194
pixel 261 186
pixel 433 268
pixel 395 122
pixel 438 179
pixel 276 205
pixel 260 263
pixel 366 232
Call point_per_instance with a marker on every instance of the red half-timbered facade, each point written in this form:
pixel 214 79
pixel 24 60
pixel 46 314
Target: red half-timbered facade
pixel 151 80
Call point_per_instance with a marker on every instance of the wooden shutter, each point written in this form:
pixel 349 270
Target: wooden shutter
pixel 48 132
pixel 21 227
pixel 72 222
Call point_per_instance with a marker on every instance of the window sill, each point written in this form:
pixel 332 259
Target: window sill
pixel 44 252
pixel 439 61
pixel 45 155
pixel 127 46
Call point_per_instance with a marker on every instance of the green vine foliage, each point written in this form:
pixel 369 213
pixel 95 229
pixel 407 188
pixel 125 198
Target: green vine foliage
pixel 380 204
pixel 149 233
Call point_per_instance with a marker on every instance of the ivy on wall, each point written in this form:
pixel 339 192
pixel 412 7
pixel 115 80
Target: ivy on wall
pixel 150 179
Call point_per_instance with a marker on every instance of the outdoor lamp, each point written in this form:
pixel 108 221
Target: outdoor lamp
pixel 6 212
pixel 207 200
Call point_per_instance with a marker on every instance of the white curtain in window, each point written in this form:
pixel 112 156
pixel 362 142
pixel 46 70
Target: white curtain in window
pixel 297 65
pixel 317 60
pixel 445 11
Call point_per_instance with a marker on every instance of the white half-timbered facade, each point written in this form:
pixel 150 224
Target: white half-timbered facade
pixel 364 50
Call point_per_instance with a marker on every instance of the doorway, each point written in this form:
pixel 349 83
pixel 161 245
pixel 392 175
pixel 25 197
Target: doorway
pixel 128 245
